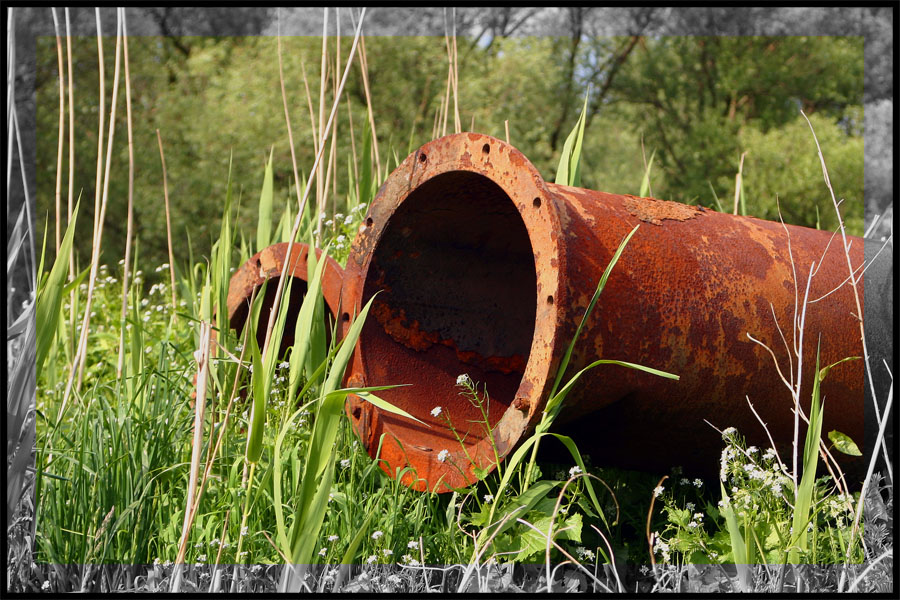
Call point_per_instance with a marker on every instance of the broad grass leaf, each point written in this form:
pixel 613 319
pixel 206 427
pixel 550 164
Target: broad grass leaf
pixel 49 297
pixel 568 172
pixel 303 327
pixel 535 542
pixel 264 223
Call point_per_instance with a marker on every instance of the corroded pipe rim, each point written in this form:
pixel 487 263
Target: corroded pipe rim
pixel 268 264
pixel 509 169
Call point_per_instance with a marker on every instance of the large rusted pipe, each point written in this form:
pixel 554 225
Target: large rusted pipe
pixel 266 265
pixel 486 269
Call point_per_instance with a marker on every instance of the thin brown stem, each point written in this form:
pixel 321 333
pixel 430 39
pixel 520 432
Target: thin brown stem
pixel 281 280
pixel 162 158
pixel 128 232
pixel 62 124
pixel 364 63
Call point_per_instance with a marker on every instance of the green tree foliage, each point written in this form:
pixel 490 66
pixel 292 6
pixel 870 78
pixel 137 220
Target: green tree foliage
pixel 698 102
pixel 702 101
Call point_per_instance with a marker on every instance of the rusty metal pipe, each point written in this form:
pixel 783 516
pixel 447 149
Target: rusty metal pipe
pixel 486 269
pixel 266 265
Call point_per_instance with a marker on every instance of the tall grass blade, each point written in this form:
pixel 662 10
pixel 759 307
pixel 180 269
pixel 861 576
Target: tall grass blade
pixel 316 325
pixel 264 224
pixel 318 470
pixel 645 182
pixel 300 352
pixel 739 547
pixel 569 170
pixel 49 297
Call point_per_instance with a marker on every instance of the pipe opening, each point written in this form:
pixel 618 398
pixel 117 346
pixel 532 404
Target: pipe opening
pixel 456 272
pixel 294 301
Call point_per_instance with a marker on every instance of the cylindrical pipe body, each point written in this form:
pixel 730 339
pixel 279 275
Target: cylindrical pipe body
pixel 485 269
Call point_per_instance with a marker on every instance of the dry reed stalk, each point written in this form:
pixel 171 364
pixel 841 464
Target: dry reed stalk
pixel 323 79
pixel 312 116
pixel 445 103
pixel 282 278
pixel 353 150
pixel 62 124
pixel 202 358
pixel 737 182
pixel 862 334
pixel 102 115
pixel 98 218
pixel 337 68
pixel 71 190
pixel 364 64
pixel 162 158
pixel 506 127
pixel 10 98
pixel 129 226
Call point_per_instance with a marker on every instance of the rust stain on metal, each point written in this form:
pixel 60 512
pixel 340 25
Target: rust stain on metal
pixel 651 210
pixel 486 270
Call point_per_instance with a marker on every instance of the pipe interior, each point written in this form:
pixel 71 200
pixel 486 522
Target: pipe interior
pixel 456 273
pixel 295 300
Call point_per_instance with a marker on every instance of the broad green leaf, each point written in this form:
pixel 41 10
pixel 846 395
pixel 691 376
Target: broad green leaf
pixel 264 225
pixel 258 381
pixel 738 546
pixel 304 326
pixel 49 297
pixel 534 542
pixel 843 443
pixel 385 406
pixel 317 342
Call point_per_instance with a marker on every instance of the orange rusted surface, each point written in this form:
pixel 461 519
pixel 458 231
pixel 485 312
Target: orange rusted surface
pixel 485 269
pixel 266 265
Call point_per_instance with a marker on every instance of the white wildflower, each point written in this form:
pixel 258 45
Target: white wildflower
pixel 394 579
pixel 45 586
pixel 462 379
pixel 323 552
pixel 442 455
pixel 574 471
pixel 333 538
pixel 244 531
pixel 345 463
pixel 377 535
pixel 387 551
pixel 488 498
pixel 657 491
pixel 371 559
pixel 435 411
pixel 698 483
pixel 413 544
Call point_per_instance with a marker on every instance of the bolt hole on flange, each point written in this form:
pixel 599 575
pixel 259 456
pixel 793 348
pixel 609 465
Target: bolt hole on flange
pixel 369 222
pixel 422 157
pixel 486 149
pixel 536 202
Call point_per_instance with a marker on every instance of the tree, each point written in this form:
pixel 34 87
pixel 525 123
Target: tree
pixel 695 98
